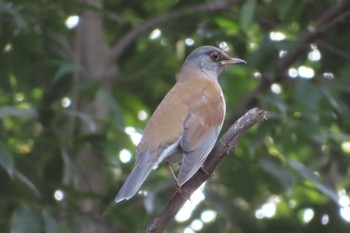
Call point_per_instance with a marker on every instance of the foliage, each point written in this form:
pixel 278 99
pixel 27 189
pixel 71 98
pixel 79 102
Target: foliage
pixel 287 175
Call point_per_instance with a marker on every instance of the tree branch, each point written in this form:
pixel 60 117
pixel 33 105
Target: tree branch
pixel 222 148
pixel 325 21
pixel 332 49
pixel 124 42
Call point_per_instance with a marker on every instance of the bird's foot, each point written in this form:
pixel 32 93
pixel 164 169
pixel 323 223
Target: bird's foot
pixel 178 188
pixel 171 171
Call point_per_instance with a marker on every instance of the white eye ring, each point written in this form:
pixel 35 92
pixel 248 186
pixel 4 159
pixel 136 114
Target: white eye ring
pixel 215 55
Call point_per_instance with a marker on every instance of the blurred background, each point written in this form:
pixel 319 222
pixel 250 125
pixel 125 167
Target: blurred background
pixel 80 79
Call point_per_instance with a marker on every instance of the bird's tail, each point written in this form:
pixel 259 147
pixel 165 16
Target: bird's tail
pixel 136 178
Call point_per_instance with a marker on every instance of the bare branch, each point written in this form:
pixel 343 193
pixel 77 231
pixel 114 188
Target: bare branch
pixel 333 49
pixel 325 22
pixel 124 42
pixel 222 148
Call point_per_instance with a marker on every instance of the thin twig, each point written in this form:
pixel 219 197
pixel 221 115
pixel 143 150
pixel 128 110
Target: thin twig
pixel 222 148
pixel 327 20
pixel 124 42
pixel 333 49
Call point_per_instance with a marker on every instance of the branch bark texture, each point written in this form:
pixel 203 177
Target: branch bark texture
pixel 222 148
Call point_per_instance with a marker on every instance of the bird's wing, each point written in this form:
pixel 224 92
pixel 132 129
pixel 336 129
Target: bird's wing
pixel 160 139
pixel 146 160
pixel 196 151
pixel 165 126
pixel 201 129
pixel 134 181
pixel 138 175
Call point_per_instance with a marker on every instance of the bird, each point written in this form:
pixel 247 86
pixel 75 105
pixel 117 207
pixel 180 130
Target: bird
pixel 188 120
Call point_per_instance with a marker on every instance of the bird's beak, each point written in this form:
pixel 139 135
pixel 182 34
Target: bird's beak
pixel 231 61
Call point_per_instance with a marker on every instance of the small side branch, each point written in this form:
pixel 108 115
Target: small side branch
pixel 222 148
pixel 123 43
pixel 326 21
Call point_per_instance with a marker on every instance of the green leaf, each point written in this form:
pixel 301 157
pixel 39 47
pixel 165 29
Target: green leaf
pixel 50 223
pixel 65 68
pixel 247 14
pixel 228 25
pixel 318 182
pixel 275 169
pixel 7 162
pixel 87 119
pixel 308 94
pixel 16 16
pixel 336 102
pixel 286 6
pixel 114 106
pixel 6 111
pixel 25 220
pixel 27 182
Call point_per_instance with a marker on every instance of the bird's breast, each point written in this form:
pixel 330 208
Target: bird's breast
pixel 210 107
pixel 202 98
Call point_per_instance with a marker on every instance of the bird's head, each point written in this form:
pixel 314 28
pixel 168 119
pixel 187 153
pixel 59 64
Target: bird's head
pixel 210 60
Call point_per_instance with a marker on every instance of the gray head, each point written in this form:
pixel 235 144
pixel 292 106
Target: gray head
pixel 210 60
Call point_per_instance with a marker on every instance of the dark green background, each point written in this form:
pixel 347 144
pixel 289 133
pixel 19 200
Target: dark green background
pixel 110 70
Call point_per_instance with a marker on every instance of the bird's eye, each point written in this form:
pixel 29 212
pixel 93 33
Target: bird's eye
pixel 215 55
